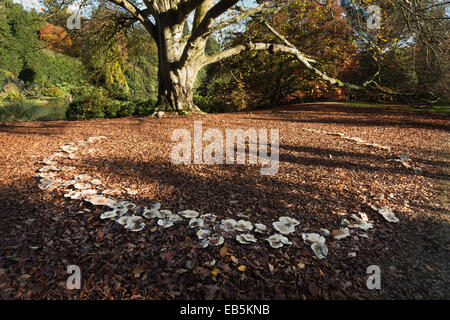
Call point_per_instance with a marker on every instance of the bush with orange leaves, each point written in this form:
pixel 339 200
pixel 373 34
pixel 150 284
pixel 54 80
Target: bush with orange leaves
pixel 56 38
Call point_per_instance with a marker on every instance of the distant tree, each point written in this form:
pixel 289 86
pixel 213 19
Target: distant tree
pixel 56 38
pixel 264 78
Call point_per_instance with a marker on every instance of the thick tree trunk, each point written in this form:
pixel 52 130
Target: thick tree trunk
pixel 176 81
pixel 176 88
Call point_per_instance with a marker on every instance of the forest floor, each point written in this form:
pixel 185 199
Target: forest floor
pixel 322 179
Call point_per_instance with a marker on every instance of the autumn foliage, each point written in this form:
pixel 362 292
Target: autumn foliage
pixel 56 38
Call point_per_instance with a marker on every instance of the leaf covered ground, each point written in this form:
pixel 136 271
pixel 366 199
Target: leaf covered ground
pixel 322 180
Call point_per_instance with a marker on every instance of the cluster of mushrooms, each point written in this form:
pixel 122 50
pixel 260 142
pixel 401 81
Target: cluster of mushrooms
pixel 209 231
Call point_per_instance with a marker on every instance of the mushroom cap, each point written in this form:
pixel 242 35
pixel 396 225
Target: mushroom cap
pixel 289 221
pixel 277 240
pixel 189 213
pixel 174 217
pixel 261 228
pixel 102 201
pixel 245 238
pixel 216 240
pixel 388 214
pixel 196 223
pixel 283 228
pixel 319 249
pixel 243 225
pixel 123 220
pixel 342 233
pixel 313 237
pixel 165 223
pixel 203 234
pixel 229 223
pixel 151 213
pixel 109 214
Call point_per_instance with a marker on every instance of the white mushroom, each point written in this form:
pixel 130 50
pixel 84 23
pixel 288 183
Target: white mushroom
pixel 121 211
pixel 101 201
pixel 123 220
pixel 165 223
pixel 277 240
pixel 283 228
pixel 156 206
pixel 342 233
pixel 48 184
pixel 112 192
pixel 313 237
pixel 229 224
pixel 49 168
pixel 289 221
pixel 388 214
pixel 82 186
pixel 216 240
pixel 245 238
pixel 204 243
pixel 196 223
pixel 164 214
pixel 132 192
pixel 174 217
pixel 244 226
pixel 203 234
pixel 74 195
pixel 109 214
pixel 151 213
pixel 88 192
pixel 189 214
pixel 319 249
pixel 47 175
pixel 82 177
pixel 96 182
pixel 362 222
pixel 261 228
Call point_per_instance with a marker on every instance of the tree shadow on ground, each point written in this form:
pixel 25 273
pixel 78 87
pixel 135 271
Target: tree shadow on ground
pixel 353 116
pixel 337 162
pixel 35 128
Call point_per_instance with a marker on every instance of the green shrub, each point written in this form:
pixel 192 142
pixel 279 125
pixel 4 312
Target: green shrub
pixel 127 108
pixel 11 93
pixel 112 108
pixel 52 92
pixel 14 96
pixel 88 103
pixel 206 105
pixel 145 107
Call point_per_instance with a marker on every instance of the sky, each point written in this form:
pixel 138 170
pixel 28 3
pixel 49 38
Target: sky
pixel 30 4
pixel 34 4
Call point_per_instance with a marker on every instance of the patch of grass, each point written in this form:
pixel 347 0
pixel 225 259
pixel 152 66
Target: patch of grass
pixel 441 109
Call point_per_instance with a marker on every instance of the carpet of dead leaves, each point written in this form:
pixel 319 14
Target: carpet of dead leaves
pixel 321 180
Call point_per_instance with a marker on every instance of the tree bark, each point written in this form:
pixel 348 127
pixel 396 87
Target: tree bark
pixel 176 88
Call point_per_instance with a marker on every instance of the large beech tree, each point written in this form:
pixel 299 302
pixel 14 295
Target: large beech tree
pixel 181 55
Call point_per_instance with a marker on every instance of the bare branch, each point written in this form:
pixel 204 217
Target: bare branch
pixel 139 15
pixel 206 27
